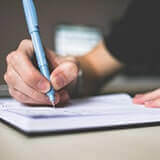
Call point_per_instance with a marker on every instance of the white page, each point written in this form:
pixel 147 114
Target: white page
pixel 89 106
pixel 99 105
pixel 100 111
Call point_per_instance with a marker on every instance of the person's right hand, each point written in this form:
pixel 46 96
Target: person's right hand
pixel 27 85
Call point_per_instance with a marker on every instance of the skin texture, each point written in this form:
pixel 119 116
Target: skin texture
pixel 28 86
pixel 150 99
pixel 97 65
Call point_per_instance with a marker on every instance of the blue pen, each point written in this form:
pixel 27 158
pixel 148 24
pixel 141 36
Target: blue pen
pixel 33 27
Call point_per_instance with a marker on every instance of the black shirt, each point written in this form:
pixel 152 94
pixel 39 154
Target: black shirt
pixel 135 40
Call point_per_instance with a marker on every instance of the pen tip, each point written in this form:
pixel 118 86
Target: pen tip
pixel 53 104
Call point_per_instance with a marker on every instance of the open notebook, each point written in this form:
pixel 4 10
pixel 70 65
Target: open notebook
pixel 81 114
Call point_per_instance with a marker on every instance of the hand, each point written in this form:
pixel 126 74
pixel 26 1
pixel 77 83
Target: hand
pixel 27 85
pixel 151 99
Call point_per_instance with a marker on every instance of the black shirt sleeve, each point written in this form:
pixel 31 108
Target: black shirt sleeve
pixel 135 40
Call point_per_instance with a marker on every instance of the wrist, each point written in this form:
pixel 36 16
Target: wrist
pixel 87 81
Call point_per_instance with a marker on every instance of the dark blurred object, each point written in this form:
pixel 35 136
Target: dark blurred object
pixel 134 40
pixel 143 70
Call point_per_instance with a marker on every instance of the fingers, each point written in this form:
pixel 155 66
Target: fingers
pixel 138 95
pixel 22 98
pixel 141 99
pixel 26 46
pixel 61 98
pixel 21 62
pixel 24 94
pixel 151 99
pixel 153 103
pixel 27 85
pixel 15 81
pixel 64 74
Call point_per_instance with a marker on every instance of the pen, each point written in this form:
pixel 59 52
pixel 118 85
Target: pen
pixel 33 28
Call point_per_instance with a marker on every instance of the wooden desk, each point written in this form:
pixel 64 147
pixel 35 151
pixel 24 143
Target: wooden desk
pixel 125 144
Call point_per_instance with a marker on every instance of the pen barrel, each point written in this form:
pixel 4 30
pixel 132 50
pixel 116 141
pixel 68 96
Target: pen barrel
pixel 33 28
pixel 30 15
pixel 40 55
pixel 45 71
pixel 38 49
pixel 41 60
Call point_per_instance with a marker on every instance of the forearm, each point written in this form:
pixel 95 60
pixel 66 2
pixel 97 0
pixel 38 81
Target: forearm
pixel 97 65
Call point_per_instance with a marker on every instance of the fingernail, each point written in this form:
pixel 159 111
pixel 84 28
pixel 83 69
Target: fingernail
pixel 136 101
pixel 139 100
pixel 43 86
pixel 58 82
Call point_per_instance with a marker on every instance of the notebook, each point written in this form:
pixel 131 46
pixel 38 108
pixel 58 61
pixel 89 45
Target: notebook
pixel 99 112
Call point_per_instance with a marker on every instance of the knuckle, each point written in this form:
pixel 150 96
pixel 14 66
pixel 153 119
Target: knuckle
pixel 9 74
pixel 12 57
pixel 25 41
pixel 6 77
pixel 15 56
pixel 9 57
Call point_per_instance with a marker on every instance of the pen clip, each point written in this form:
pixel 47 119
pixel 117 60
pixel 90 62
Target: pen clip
pixel 30 15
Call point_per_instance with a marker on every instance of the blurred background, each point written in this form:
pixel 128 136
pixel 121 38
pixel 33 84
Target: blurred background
pixel 97 14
